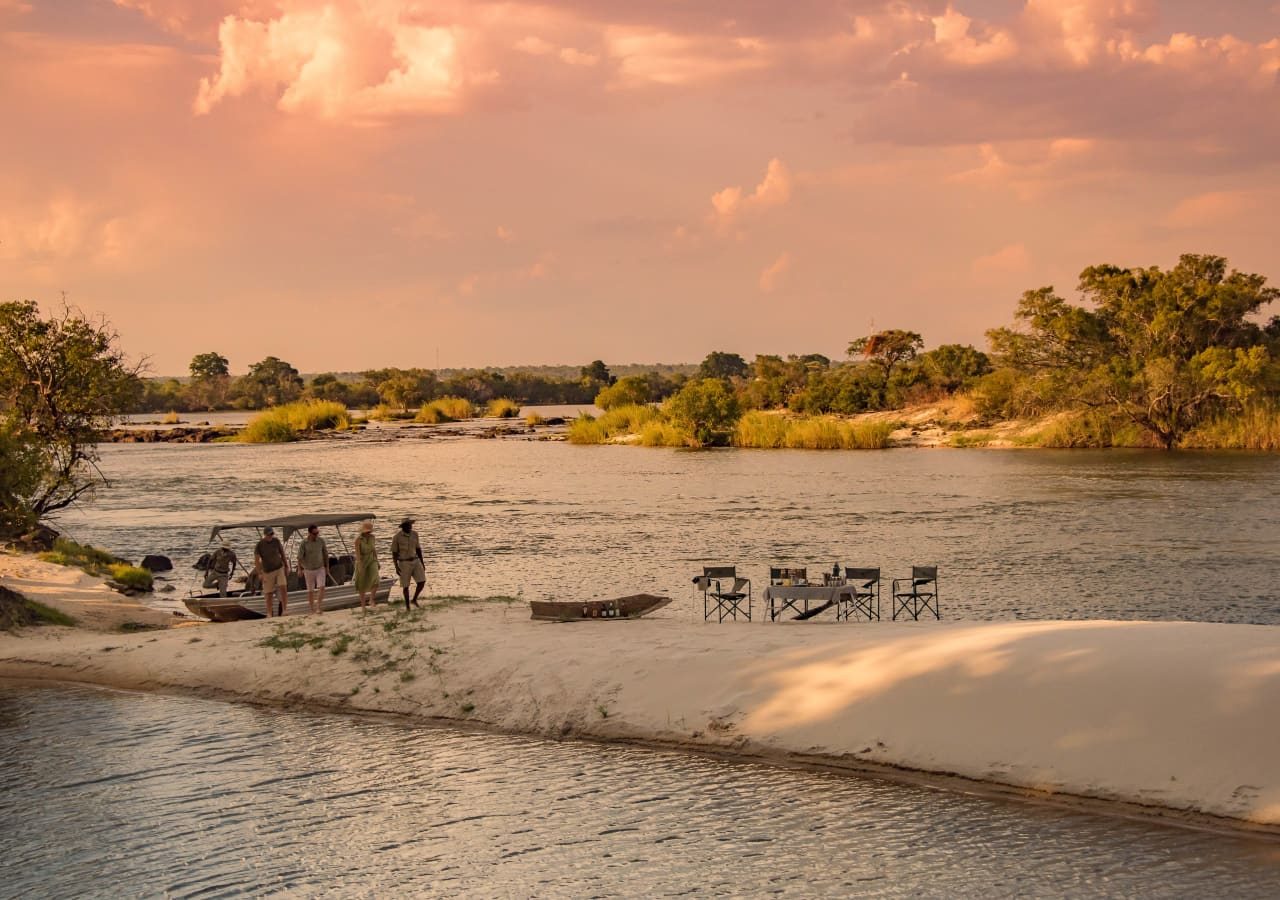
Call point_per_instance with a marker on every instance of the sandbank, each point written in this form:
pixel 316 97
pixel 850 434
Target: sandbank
pixel 1170 720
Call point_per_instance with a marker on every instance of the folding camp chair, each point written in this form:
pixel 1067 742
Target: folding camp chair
pixel 863 598
pixel 917 594
pixel 724 602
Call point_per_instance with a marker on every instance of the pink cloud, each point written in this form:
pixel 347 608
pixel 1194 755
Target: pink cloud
pixel 1012 259
pixel 1209 209
pixel 773 273
pixel 730 203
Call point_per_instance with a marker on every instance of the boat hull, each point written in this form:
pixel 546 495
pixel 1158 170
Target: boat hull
pixel 632 607
pixel 238 609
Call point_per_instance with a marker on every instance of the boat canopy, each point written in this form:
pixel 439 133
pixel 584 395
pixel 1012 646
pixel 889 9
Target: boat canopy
pixel 289 525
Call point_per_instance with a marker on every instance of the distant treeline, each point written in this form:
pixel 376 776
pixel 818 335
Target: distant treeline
pixel 1146 356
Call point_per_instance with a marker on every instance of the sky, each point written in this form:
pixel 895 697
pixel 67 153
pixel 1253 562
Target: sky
pixel 349 184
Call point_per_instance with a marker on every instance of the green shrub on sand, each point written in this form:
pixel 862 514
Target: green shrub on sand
pixel 131 577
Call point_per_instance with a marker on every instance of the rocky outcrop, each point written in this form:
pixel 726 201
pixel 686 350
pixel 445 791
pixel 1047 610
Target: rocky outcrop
pixel 197 435
pixel 157 563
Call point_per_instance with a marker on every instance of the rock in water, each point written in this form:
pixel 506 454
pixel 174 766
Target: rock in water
pixel 157 563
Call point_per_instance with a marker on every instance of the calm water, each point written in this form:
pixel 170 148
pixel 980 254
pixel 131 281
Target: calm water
pixel 109 794
pixel 1016 534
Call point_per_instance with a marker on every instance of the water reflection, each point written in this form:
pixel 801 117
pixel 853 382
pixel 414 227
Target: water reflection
pixel 111 794
pixel 1017 534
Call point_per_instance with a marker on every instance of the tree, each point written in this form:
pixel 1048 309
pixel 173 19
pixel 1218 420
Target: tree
pixel 628 391
pixel 209 365
pixel 210 380
pixel 327 386
pixel 63 380
pixel 270 382
pixel 707 409
pixel 953 366
pixel 598 372
pixel 886 349
pixel 723 365
pixel 402 391
pixel 1164 349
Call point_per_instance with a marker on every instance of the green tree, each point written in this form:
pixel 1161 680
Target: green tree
pixel 209 365
pixel 210 380
pixel 270 382
pixel 723 365
pixel 1164 349
pixel 402 391
pixel 886 350
pixel 598 372
pixel 327 386
pixel 707 409
pixel 628 391
pixel 63 380
pixel 953 366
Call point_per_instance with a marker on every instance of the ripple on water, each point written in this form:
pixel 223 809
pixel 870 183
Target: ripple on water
pixel 108 794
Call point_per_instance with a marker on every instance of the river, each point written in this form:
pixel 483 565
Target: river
pixel 1015 534
pixel 107 794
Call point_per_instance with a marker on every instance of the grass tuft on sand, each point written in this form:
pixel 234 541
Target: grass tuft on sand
pixel 290 421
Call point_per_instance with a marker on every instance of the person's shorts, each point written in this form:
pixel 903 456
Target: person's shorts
pixel 315 578
pixel 410 570
pixel 273 580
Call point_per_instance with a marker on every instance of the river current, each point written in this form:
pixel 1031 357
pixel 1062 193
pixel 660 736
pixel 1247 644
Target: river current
pixel 1015 534
pixel 106 794
pixel 113 794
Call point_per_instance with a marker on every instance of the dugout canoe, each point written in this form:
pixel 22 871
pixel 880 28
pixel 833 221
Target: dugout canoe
pixel 632 607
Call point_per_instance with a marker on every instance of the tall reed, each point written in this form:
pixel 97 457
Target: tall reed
pixel 503 408
pixel 291 420
pixel 769 431
pixel 1256 427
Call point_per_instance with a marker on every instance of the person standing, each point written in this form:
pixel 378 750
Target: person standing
pixel 406 553
pixel 313 560
pixel 366 566
pixel 273 569
pixel 221 564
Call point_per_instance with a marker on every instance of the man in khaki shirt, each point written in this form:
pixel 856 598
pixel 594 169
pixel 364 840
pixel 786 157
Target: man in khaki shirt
pixel 313 562
pixel 406 554
pixel 272 567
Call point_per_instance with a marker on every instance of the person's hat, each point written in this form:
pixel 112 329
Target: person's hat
pixel 225 542
pixel 407 521
pixel 268 530
pixel 367 528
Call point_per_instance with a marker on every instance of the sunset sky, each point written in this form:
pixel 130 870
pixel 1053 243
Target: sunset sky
pixel 358 183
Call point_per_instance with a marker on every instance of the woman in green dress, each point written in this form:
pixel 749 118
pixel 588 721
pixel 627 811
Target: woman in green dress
pixel 366 566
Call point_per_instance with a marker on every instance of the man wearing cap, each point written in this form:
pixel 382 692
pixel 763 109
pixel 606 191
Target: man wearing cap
pixel 313 560
pixel 221 564
pixel 406 553
pixel 272 566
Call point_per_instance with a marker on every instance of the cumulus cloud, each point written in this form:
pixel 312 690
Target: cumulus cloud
pixel 730 204
pixel 342 61
pixel 773 273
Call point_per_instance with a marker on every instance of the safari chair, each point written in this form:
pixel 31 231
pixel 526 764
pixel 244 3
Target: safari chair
pixel 863 598
pixel 783 576
pixel 719 600
pixel 917 594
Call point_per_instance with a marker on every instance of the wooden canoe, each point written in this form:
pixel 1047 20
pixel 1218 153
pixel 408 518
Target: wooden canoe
pixel 632 607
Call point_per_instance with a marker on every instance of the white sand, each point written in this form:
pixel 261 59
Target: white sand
pixel 1163 716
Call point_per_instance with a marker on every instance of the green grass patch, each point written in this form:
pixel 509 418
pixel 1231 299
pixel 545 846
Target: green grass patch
pixel 291 421
pixel 458 408
pixel 502 408
pixel 763 430
pixel 134 577
pixel 660 433
pixel 1256 427
pixel 971 439
pixel 617 422
pixel 17 611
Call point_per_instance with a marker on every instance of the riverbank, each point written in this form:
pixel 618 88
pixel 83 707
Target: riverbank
pixel 1168 720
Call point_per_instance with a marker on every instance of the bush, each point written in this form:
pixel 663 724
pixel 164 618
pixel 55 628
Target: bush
pixel 287 422
pixel 762 430
pixel 131 576
pixel 706 409
pixel 502 408
pixel 431 415
pixel 586 429
pixel 1256 427
pixel 454 407
pixel 663 434
pixel 171 419
pixel 632 390
pixel 534 419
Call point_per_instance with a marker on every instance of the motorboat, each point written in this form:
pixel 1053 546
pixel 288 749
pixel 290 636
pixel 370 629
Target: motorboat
pixel 244 598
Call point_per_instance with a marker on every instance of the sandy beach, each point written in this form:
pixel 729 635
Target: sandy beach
pixel 1170 720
